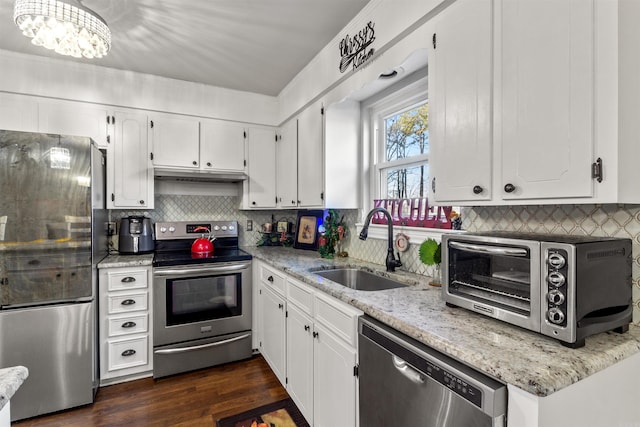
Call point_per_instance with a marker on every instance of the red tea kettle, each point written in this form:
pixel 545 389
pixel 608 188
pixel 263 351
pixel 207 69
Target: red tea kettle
pixel 203 245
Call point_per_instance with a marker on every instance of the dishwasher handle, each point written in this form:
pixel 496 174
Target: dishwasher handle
pixel 407 370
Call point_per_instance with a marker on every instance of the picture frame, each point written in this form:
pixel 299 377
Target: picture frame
pixel 283 227
pixel 307 229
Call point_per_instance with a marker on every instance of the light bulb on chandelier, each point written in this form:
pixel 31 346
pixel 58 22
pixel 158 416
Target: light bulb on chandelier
pixel 69 29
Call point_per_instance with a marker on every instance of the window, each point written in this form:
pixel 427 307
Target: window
pixel 399 122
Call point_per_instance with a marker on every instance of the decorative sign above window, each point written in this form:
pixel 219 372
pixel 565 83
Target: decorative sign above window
pixel 414 213
pixel 355 51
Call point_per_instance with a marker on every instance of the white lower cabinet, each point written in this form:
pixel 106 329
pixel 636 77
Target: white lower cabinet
pixel 311 346
pixel 126 343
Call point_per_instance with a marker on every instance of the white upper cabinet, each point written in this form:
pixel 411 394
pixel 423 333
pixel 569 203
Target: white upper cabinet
pixel 175 141
pixel 545 106
pixel 260 188
pixel 222 146
pixel 129 169
pixel 74 118
pixel 311 161
pixel 460 98
pixel 287 165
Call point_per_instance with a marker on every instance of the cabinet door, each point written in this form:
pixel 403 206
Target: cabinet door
pixel 18 113
pixel 310 158
pixel 222 146
pixel 546 106
pixel 460 74
pixel 273 342
pixel 74 118
pixel 334 381
pixel 262 168
pixel 300 360
pixel 175 141
pixel 287 162
pixel 129 170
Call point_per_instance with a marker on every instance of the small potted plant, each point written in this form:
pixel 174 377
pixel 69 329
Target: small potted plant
pixel 431 254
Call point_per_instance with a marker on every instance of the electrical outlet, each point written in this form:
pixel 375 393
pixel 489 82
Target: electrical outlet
pixel 111 228
pixel 249 225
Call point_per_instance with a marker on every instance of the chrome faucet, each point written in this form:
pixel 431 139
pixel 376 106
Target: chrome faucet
pixel 391 262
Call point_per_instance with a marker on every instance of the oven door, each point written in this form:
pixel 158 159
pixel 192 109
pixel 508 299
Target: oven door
pixel 498 277
pixel 201 301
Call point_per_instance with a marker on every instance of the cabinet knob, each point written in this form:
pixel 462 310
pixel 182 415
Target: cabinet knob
pixel 209 164
pixel 253 203
pixel 270 278
pixel 195 163
pixel 306 327
pixel 315 334
pixel 142 202
pixel 509 188
pixel 129 352
pixel 293 202
pixel 477 189
pixel 280 306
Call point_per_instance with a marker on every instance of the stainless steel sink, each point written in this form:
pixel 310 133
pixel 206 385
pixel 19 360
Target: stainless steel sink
pixel 359 279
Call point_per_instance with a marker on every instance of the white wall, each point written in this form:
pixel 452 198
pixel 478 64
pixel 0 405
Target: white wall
pixel 57 78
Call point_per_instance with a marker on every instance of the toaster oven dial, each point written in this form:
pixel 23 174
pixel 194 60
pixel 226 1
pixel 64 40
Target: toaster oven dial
pixel 556 260
pixel 556 279
pixel 555 315
pixel 555 297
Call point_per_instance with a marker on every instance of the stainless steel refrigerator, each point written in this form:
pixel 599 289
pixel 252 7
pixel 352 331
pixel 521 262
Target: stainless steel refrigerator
pixel 52 235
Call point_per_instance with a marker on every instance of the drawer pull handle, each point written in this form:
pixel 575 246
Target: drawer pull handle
pixel 129 352
pixel 270 278
pixel 128 302
pixel 129 324
pixel 128 279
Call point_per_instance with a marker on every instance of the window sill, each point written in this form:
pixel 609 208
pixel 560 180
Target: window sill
pixel 416 235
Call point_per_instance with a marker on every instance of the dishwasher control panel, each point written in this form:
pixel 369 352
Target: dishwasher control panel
pixel 454 383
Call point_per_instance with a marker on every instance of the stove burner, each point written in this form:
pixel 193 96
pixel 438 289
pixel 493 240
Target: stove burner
pixel 174 239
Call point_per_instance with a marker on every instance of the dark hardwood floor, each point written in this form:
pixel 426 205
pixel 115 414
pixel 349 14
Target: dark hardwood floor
pixel 194 399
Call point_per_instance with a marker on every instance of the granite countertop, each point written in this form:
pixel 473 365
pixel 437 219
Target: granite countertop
pixel 117 260
pixel 10 381
pixel 532 362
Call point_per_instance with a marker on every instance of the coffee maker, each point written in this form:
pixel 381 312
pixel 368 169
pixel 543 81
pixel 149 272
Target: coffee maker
pixel 136 235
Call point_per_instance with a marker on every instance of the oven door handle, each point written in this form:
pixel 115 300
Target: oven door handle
pixel 186 271
pixel 202 346
pixel 488 249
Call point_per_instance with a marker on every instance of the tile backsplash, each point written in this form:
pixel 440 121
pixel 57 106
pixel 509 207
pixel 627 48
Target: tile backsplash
pixel 596 220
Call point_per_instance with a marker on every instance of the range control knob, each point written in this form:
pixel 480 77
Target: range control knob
pixel 556 279
pixel 556 260
pixel 231 227
pixel 216 227
pixel 163 229
pixel 172 229
pixel 555 315
pixel 555 297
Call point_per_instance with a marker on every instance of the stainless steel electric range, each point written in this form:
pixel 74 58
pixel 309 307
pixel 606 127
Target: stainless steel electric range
pixel 201 302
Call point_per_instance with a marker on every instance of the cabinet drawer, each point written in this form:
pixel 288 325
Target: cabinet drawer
pixel 301 295
pixel 338 317
pixel 272 279
pixel 127 303
pixel 128 353
pixel 129 279
pixel 128 325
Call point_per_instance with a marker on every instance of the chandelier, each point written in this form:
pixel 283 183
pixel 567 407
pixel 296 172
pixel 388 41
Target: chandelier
pixel 68 27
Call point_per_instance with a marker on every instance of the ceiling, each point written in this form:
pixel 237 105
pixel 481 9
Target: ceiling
pixel 249 45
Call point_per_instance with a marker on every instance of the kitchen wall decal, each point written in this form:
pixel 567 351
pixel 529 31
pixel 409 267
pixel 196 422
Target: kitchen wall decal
pixel 356 51
pixel 415 212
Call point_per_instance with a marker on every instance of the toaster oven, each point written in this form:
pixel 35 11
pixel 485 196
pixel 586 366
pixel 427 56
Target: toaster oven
pixel 565 287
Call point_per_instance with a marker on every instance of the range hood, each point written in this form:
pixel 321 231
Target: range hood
pixel 193 175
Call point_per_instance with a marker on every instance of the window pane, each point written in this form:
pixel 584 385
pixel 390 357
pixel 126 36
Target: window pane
pixel 406 183
pixel 407 133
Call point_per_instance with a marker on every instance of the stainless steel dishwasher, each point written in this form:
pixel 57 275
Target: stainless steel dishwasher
pixel 405 383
